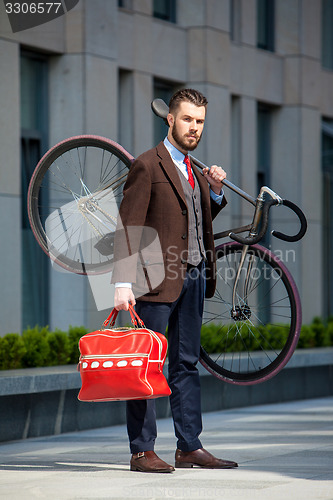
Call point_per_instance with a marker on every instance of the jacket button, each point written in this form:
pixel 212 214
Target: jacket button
pixel 184 237
pixel 184 212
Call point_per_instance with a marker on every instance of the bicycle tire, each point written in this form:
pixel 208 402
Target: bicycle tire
pixel 75 178
pixel 246 353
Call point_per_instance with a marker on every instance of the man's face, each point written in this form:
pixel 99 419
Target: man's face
pixel 186 126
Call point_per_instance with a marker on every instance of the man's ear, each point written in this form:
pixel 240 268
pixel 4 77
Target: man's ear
pixel 170 119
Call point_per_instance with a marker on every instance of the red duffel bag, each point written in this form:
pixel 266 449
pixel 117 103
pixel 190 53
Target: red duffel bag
pixel 122 363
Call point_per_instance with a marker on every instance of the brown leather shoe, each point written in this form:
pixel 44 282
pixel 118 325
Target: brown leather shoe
pixel 201 458
pixel 148 461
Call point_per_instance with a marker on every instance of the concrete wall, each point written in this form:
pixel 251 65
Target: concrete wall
pixel 43 401
pixel 86 49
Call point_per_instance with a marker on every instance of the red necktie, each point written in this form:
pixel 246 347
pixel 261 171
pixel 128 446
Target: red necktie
pixel 189 171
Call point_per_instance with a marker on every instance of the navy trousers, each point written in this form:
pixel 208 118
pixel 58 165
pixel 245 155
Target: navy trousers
pixel 183 318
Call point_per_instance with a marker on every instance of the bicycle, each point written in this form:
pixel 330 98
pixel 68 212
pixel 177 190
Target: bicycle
pixel 73 200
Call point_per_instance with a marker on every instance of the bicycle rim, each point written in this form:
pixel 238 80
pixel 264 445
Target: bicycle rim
pixel 73 201
pixel 252 342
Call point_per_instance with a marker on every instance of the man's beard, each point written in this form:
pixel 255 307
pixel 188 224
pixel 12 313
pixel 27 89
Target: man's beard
pixel 185 142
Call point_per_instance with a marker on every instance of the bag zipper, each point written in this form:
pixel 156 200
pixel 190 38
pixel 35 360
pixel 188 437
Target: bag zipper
pixel 102 356
pixel 108 356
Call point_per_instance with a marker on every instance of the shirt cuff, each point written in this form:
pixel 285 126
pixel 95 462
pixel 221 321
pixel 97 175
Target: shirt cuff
pixel 123 285
pixel 217 197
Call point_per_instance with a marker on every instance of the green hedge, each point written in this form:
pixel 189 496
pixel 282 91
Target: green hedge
pixel 40 347
pixel 317 334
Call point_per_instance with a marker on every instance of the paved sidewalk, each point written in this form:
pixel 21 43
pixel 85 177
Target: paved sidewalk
pixel 285 451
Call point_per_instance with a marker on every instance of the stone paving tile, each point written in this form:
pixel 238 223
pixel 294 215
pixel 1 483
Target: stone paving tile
pixel 285 451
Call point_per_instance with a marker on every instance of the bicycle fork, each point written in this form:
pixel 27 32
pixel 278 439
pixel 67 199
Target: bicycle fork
pixel 241 312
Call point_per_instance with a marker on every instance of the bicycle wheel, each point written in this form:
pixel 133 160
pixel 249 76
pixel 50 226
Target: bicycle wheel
pixel 254 340
pixel 73 201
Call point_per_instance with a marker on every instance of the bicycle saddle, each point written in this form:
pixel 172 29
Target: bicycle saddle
pixel 160 109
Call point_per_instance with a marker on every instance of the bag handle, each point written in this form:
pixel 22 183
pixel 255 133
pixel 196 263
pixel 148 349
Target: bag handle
pixel 135 319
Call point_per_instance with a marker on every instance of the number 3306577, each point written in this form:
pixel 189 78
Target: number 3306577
pixel 32 8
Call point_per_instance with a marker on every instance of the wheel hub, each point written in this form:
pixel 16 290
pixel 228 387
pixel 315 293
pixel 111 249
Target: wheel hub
pixel 240 313
pixel 88 205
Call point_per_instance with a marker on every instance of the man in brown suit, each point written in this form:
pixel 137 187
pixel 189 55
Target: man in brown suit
pixel 166 193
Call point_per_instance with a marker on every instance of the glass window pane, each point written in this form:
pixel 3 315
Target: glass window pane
pixel 126 4
pixel 327 34
pixel 162 90
pixel 165 9
pixel 28 95
pixel 235 20
pixel 264 117
pixel 265 24
pixel 34 125
pixel 327 166
pixel 125 110
pixel 264 144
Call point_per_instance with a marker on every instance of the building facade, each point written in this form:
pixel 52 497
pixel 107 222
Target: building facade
pixel 266 67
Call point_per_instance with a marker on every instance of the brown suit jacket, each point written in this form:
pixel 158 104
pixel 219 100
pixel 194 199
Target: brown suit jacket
pixel 154 198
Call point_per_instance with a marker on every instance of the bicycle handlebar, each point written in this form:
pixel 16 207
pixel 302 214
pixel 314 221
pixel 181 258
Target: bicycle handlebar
pixel 252 240
pixel 302 219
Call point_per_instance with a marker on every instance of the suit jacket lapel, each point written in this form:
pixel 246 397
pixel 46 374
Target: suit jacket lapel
pixel 170 169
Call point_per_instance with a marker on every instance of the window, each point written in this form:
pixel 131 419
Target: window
pixel 327 34
pixel 264 124
pixel 327 168
pixel 33 145
pixel 263 144
pixel 236 152
pixel 125 110
pixel 162 90
pixel 265 24
pixel 125 4
pixel 165 9
pixel 235 20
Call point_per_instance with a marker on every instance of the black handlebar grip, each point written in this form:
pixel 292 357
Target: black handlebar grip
pixel 302 219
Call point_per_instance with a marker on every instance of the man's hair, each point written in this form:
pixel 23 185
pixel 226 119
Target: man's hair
pixel 189 95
